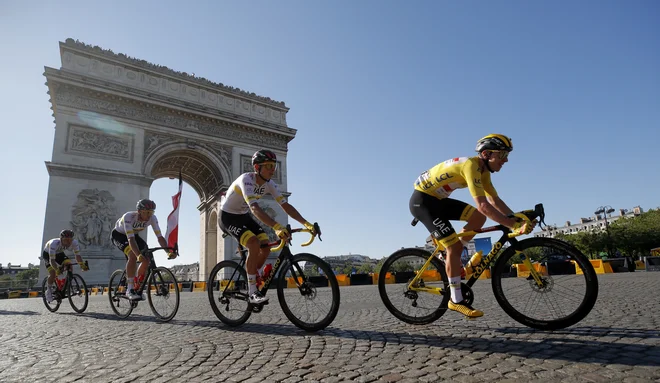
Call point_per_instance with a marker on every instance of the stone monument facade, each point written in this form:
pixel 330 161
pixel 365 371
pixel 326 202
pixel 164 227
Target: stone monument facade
pixel 121 123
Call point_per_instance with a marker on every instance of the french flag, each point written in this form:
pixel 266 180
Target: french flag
pixel 172 234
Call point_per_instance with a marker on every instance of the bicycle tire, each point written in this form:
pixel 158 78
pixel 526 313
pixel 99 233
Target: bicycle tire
pixel 159 279
pixel 308 290
pixel 229 291
pixel 77 288
pixel 54 305
pixel 580 312
pixel 383 288
pixel 118 300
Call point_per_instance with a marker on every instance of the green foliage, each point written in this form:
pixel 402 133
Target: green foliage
pixel 634 236
pixel 379 265
pixel 365 268
pixel 28 274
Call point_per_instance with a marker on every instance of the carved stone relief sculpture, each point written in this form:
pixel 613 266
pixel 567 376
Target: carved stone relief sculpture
pixel 93 217
pixel 95 143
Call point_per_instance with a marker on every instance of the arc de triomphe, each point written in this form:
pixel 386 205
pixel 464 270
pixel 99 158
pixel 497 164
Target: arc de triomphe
pixel 121 123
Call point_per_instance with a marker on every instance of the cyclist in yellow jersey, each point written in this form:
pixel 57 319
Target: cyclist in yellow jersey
pixel 432 207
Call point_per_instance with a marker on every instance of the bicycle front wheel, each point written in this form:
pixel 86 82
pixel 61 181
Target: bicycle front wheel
pixel 55 303
pixel 227 288
pixel 78 294
pixel 163 294
pixel 121 305
pixel 312 302
pixel 427 299
pixel 565 294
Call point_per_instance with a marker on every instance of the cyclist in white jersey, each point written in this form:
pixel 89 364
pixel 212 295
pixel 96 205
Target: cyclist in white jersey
pixel 54 257
pixel 235 219
pixel 123 236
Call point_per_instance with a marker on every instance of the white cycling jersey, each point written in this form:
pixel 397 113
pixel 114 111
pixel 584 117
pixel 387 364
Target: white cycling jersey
pixel 129 224
pixel 245 191
pixel 54 246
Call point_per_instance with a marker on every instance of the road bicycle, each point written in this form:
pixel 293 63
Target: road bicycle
pixel 555 287
pixel 313 286
pixel 72 286
pixel 162 289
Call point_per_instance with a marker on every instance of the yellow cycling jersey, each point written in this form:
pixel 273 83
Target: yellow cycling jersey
pixel 457 173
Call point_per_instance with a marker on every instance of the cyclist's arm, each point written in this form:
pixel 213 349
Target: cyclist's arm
pixel 492 212
pixel 293 213
pixel 156 228
pixel 75 247
pixel 500 205
pixel 52 253
pixel 261 215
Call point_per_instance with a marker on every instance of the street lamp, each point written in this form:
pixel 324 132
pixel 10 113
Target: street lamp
pixel 605 210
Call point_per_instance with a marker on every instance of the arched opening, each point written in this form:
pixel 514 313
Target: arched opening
pixel 203 173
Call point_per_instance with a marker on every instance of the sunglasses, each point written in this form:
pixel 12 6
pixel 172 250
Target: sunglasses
pixel 503 154
pixel 269 166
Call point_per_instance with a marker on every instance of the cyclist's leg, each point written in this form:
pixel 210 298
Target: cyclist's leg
pixel 475 220
pixel 121 241
pixel 144 261
pixel 435 215
pixel 241 227
pixel 51 277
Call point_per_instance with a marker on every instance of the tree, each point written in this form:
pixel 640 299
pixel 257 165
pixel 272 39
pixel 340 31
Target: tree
pixel 365 268
pixel 28 274
pixel 379 265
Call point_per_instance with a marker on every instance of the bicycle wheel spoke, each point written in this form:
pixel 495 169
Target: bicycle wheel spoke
pixel 404 301
pixel 313 302
pixel 78 294
pixel 163 294
pixel 560 298
pixel 117 289
pixel 227 289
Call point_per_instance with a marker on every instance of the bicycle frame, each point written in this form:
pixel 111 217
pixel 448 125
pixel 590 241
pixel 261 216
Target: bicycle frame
pixel 63 292
pixel 285 254
pixel 489 259
pixel 149 253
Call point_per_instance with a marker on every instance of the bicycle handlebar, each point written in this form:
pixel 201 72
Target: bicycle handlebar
pixel 282 243
pixel 538 212
pixel 175 249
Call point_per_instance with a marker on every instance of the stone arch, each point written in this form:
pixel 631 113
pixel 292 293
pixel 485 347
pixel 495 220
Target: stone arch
pixel 201 168
pixel 121 122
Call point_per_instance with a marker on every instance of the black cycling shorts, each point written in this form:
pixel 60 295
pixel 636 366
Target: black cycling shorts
pixel 121 241
pixel 436 213
pixel 242 227
pixel 59 258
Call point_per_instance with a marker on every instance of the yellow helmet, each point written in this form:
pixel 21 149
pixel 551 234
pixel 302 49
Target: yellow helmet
pixel 494 142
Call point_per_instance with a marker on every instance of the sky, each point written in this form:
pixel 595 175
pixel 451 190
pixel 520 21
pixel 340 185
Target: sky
pixel 379 91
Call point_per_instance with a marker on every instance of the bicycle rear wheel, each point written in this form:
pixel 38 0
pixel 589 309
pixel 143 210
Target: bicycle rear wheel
pixel 78 294
pixel 121 305
pixel 312 304
pixel 410 306
pixel 568 289
pixel 227 289
pixel 163 294
pixel 55 303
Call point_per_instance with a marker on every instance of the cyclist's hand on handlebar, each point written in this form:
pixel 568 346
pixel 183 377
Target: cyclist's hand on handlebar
pixel 281 232
pixel 84 266
pixel 523 225
pixel 171 255
pixel 310 227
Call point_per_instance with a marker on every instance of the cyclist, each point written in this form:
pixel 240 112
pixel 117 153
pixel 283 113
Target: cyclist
pixel 123 236
pixel 55 258
pixel 241 199
pixel 431 205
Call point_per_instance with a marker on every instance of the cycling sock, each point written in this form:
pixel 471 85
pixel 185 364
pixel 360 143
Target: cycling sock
pixel 129 285
pixel 455 287
pixel 252 282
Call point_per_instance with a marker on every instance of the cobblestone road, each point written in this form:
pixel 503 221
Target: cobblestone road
pixel 618 341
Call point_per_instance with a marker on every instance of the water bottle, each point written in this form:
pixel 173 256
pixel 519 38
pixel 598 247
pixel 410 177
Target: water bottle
pixel 267 270
pixel 474 261
pixel 61 280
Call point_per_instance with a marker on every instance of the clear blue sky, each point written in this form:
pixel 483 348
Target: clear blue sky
pixel 379 91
